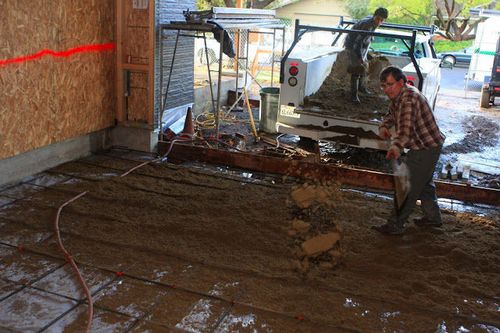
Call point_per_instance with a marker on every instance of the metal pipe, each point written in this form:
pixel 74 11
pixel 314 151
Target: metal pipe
pixel 161 83
pixel 414 61
pixel 408 27
pixel 209 73
pixel 311 28
pixel 238 49
pixel 169 78
pixel 272 59
pixel 219 79
pixel 246 58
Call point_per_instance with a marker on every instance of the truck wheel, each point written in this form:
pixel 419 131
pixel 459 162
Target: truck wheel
pixel 485 98
pixel 450 59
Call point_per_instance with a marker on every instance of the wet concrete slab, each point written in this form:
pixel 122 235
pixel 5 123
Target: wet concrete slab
pixel 147 326
pixel 188 311
pixel 246 319
pixel 92 253
pixel 164 269
pixel 196 277
pixel 31 310
pixel 187 296
pixel 84 171
pixel 102 322
pixel 46 179
pixel 130 154
pixel 50 248
pixel 8 288
pixel 49 198
pixel 64 281
pixel 130 296
pixel 342 310
pixel 15 234
pixel 24 267
pixel 5 200
pixel 37 217
pixel 21 191
pixel 112 163
pixel 3 222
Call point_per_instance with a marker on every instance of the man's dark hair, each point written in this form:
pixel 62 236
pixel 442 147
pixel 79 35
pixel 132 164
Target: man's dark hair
pixel 382 12
pixel 396 73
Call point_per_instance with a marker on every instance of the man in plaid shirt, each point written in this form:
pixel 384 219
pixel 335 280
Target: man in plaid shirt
pixel 417 131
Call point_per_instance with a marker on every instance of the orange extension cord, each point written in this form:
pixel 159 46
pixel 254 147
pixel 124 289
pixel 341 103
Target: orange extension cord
pixel 69 259
pixel 68 256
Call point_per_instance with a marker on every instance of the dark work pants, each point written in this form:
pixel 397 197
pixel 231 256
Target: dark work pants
pixel 421 165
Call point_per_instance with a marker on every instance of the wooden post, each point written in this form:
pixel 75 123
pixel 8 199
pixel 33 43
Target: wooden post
pixel 120 112
pixel 126 63
pixel 151 63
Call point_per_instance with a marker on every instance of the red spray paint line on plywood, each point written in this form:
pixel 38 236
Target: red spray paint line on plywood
pixel 67 53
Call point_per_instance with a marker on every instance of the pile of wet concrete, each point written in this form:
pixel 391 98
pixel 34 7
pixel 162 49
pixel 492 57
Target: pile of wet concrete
pixel 334 94
pixel 315 237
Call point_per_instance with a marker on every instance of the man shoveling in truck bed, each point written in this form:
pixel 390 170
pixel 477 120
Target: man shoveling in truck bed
pixel 357 45
pixel 417 131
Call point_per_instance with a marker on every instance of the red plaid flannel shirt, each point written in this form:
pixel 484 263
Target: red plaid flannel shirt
pixel 416 127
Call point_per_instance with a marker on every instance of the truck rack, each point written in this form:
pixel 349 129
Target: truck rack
pixel 302 74
pixel 300 30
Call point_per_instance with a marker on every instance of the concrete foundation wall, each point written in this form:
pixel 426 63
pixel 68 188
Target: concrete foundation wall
pixel 16 168
pixel 203 98
pixel 134 137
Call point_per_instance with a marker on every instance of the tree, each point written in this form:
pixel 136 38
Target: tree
pixel 257 4
pixel 452 17
pixel 406 12
pixel 454 20
pixel 207 4
pixel 357 8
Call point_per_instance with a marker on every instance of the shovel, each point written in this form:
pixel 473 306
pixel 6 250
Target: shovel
pixel 401 181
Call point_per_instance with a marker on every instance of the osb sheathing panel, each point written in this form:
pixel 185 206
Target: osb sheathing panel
pixel 52 99
pixel 138 98
pixel 136 46
pixel 137 30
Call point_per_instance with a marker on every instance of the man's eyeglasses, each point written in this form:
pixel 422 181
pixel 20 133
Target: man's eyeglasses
pixel 386 85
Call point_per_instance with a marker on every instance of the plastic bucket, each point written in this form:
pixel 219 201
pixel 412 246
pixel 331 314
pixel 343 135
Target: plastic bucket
pixel 269 107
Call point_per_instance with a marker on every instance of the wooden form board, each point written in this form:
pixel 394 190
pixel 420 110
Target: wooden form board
pixel 50 99
pixel 135 61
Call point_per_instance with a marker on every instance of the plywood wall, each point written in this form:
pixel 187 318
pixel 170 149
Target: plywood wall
pixel 137 60
pixel 51 99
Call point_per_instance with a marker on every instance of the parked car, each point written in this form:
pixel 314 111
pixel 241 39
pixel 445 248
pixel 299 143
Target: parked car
pixel 397 51
pixel 457 57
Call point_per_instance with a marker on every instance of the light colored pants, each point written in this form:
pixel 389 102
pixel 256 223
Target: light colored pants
pixel 421 165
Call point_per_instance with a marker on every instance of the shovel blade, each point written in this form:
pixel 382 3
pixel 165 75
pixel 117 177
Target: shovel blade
pixel 401 182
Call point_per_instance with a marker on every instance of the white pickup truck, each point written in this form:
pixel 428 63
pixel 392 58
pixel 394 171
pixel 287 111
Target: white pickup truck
pixel 303 73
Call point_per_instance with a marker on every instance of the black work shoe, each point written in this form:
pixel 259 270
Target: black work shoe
pixel 425 222
pixel 355 100
pixel 389 229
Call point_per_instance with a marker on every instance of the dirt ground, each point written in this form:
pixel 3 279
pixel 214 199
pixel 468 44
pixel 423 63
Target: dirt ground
pixel 225 251
pixel 479 131
pixel 472 136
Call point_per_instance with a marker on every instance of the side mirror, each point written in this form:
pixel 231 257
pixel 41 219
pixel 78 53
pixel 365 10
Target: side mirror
pixel 446 63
